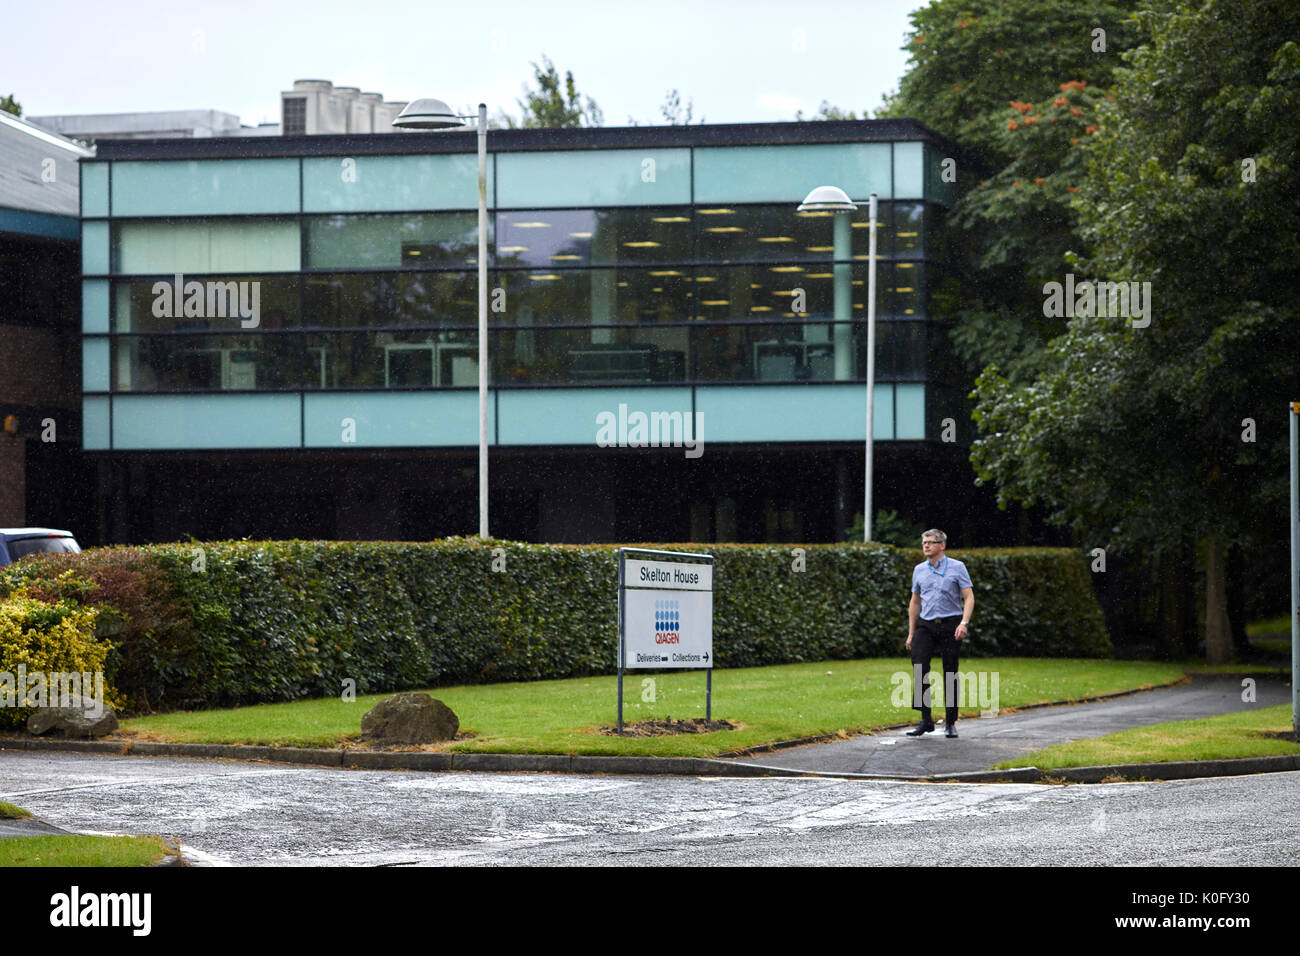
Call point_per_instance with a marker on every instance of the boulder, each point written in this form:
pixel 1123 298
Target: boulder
pixel 410 718
pixel 88 719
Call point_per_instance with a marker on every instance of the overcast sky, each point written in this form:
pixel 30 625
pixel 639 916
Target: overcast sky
pixel 740 61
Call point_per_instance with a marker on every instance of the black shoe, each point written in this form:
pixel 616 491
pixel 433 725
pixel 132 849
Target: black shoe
pixel 921 728
pixel 950 730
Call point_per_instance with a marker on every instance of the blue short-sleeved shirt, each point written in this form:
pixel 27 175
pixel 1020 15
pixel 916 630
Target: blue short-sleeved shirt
pixel 940 587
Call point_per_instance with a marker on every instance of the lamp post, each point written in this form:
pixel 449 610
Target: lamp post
pixel 435 114
pixel 832 199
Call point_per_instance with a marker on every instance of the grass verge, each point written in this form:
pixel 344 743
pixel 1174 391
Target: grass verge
pixel 10 812
pixel 1223 737
pixel 567 716
pixel 78 850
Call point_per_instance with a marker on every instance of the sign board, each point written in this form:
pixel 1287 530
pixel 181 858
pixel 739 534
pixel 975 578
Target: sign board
pixel 665 614
pixel 668 628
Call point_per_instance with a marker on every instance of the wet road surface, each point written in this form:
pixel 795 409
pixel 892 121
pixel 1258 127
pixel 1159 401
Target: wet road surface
pixel 270 815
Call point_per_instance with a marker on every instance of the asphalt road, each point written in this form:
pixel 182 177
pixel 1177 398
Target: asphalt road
pixel 269 815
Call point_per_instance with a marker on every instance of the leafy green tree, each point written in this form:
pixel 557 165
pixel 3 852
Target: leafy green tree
pixel 888 528
pixel 828 112
pixel 553 103
pixel 1140 438
pixel 969 58
pixel 674 112
pixel 1015 84
pixel 10 105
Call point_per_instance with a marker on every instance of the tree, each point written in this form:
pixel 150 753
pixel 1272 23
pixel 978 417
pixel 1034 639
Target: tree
pixel 1020 110
pixel 888 528
pixel 674 112
pixel 554 104
pixel 10 105
pixel 827 112
pixel 1142 437
pixel 969 58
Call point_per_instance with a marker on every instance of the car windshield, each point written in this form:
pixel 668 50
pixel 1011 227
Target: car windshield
pixel 49 545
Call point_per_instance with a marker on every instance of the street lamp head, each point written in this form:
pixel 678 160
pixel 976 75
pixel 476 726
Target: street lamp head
pixel 828 199
pixel 427 114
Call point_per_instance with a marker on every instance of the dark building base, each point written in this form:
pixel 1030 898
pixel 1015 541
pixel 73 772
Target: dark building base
pixel 732 493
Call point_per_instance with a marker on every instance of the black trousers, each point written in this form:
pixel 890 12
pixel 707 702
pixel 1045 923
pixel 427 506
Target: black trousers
pixel 934 636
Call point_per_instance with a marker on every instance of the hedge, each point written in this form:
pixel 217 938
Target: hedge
pixel 224 623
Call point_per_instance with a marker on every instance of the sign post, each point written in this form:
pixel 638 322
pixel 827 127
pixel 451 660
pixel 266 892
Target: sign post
pixel 665 614
pixel 1295 568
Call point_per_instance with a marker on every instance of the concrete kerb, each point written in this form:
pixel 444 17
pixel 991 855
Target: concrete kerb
pixel 687 766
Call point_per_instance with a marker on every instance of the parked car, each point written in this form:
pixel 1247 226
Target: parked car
pixel 17 543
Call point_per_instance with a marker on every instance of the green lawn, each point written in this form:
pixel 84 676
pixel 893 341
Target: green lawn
pixel 1207 738
pixel 10 812
pixel 79 850
pixel 563 717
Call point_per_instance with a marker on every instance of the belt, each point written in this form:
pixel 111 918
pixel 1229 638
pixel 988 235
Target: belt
pixel 936 620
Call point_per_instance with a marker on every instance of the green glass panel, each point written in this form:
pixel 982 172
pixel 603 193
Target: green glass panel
pixel 432 300
pixel 229 303
pixel 94 248
pixel 208 187
pixel 393 420
pixel 222 245
pixel 909 170
pixel 786 174
pixel 911 412
pixel 178 363
pixel 94 364
pixel 391 183
pixel 609 177
pixel 94 305
pixel 569 416
pixel 791 413
pixel 408 241
pixel 94 422
pixel 941 176
pixel 206 421
pixel 422 359
pixel 94 188
pixel 594 296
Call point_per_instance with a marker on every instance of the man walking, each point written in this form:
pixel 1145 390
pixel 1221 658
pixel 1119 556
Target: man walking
pixel 937 621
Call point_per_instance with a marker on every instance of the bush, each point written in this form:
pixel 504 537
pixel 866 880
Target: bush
pixel 139 608
pixel 267 621
pixel 37 638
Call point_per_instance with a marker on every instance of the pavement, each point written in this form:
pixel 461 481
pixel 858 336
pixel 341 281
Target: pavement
pixel 983 742
pixel 885 755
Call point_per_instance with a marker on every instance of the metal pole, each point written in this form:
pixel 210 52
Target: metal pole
pixel 482 326
pixel 708 697
pixel 871 362
pixel 621 652
pixel 1295 569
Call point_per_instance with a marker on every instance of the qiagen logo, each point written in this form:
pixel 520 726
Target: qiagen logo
pixel 668 622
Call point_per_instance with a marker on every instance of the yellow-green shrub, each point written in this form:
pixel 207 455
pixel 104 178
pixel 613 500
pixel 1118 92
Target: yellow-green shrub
pixel 44 637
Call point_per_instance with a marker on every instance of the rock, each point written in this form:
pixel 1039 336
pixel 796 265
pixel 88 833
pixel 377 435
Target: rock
pixel 90 719
pixel 410 718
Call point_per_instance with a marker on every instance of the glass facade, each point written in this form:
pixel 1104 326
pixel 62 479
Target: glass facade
pixel 687 268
